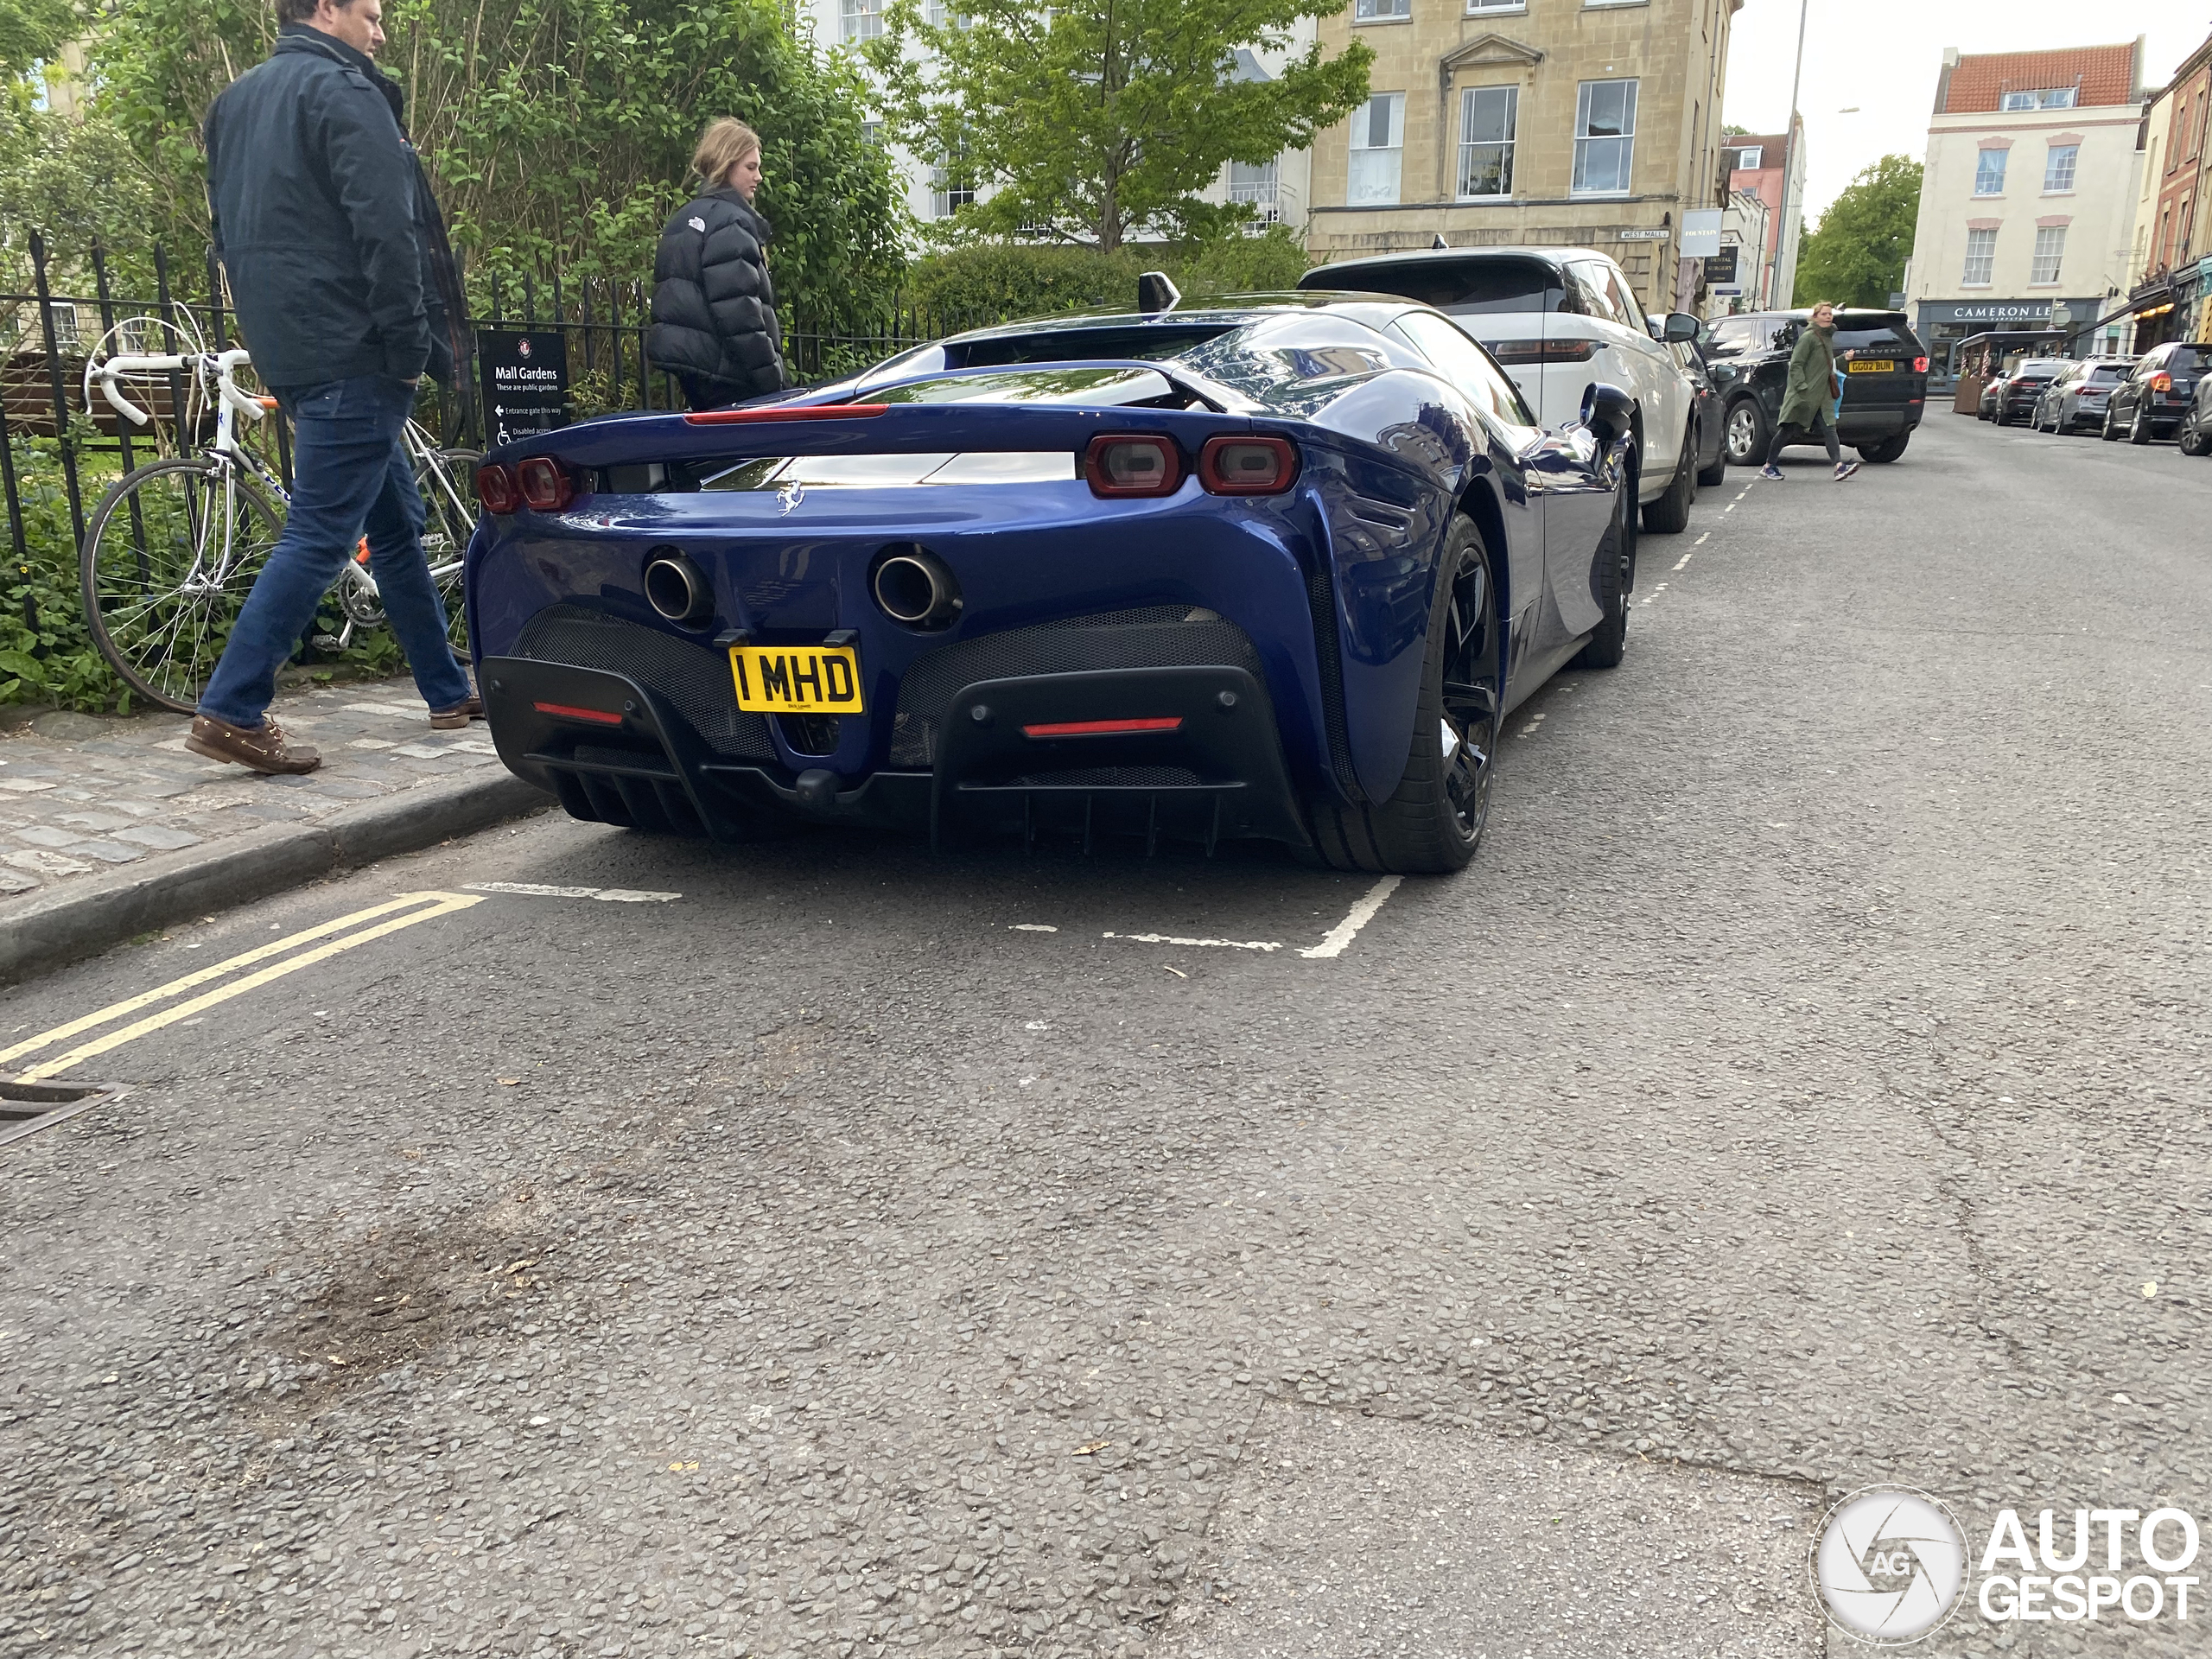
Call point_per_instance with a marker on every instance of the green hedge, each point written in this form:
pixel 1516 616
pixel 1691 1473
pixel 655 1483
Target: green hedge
pixel 995 281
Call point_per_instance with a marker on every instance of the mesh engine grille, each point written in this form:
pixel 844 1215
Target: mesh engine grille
pixel 695 679
pixel 1160 636
pixel 1110 778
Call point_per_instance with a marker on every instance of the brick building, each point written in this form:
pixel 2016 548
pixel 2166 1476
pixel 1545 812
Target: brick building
pixel 1565 123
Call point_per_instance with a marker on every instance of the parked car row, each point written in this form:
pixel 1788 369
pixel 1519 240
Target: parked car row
pixel 2166 392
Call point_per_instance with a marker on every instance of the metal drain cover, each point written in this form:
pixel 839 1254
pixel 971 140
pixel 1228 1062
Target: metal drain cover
pixel 27 1108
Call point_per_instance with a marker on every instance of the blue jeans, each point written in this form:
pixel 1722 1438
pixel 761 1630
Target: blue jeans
pixel 350 478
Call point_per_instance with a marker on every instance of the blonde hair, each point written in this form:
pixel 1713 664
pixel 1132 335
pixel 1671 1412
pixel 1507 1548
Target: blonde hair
pixel 724 144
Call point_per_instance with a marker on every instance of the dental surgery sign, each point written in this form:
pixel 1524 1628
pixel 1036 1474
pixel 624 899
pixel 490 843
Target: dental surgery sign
pixel 524 380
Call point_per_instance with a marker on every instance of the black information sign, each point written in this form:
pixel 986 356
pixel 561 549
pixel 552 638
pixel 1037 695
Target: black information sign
pixel 524 378
pixel 1721 267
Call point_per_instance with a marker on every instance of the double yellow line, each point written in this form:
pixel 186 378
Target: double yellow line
pixel 416 906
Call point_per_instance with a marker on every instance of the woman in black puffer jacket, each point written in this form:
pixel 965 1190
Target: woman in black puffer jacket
pixel 714 310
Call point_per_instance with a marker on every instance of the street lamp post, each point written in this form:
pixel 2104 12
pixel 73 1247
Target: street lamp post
pixel 1792 165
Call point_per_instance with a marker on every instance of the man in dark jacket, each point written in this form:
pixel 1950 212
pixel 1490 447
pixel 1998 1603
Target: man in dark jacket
pixel 714 308
pixel 324 226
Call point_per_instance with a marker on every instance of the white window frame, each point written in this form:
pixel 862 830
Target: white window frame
pixel 859 20
pixel 1625 140
pixel 2050 249
pixel 1758 154
pixel 2040 98
pixel 1491 8
pixel 1995 176
pixel 2052 184
pixel 1467 97
pixel 1381 11
pixel 1363 129
pixel 1984 253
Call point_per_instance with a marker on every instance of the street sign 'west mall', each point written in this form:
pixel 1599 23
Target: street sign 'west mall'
pixel 525 377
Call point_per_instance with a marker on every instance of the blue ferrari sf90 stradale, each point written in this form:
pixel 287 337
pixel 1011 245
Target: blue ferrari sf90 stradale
pixel 1275 568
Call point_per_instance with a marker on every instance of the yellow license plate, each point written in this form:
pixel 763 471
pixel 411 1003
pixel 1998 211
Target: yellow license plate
pixel 796 679
pixel 1878 366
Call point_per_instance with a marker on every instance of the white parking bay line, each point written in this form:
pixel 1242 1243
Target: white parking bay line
pixel 1334 943
pixel 1171 938
pixel 535 890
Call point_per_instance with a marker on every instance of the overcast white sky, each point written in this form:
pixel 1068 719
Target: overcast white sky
pixel 1883 56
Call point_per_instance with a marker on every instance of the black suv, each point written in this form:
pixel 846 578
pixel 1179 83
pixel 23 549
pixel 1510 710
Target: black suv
pixel 1885 383
pixel 2020 391
pixel 2151 402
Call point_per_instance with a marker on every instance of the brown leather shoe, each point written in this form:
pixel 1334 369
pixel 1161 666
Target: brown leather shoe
pixel 263 747
pixel 449 720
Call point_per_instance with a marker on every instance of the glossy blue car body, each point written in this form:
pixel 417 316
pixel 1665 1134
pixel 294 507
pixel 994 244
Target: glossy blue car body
pixel 1331 585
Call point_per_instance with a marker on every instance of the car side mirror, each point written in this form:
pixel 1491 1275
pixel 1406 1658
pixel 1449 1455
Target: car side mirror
pixel 1607 412
pixel 1680 326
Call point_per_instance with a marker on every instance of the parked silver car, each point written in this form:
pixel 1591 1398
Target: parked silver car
pixel 2078 397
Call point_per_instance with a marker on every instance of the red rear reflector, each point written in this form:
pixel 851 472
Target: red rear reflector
pixel 546 485
pixel 567 711
pixel 1920 366
pixel 1248 466
pixel 496 489
pixel 1132 463
pixel 1102 728
pixel 805 412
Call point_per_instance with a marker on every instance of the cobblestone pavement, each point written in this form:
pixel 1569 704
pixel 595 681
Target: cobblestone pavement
pixel 80 794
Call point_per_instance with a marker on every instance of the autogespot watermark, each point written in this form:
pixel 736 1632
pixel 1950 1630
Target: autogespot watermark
pixel 1889 1565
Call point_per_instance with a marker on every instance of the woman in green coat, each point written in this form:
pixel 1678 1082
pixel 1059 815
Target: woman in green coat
pixel 1814 382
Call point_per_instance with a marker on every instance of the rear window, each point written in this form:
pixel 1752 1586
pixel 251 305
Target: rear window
pixel 2038 371
pixel 1461 287
pixel 1733 336
pixel 1864 334
pixel 2192 357
pixel 2106 377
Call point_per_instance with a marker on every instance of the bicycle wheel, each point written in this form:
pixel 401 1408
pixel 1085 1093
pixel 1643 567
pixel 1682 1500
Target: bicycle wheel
pixel 171 553
pixel 449 491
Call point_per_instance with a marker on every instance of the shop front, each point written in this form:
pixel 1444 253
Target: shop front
pixel 1942 324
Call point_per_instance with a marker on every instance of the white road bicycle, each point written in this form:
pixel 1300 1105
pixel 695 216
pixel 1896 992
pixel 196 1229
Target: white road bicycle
pixel 174 546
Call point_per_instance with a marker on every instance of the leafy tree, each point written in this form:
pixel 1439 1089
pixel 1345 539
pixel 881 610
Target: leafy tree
pixel 32 30
pixel 1095 119
pixel 1857 254
pixel 1731 130
pixel 559 132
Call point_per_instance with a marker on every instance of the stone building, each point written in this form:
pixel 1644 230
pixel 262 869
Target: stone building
pixel 1771 168
pixel 2027 200
pixel 2168 264
pixel 1568 123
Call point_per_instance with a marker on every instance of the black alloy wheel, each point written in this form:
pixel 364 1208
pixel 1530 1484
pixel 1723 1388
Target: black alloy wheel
pixel 1434 820
pixel 2138 430
pixel 1611 577
pixel 2106 429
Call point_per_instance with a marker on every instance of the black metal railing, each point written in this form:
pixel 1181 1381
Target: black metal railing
pixel 47 335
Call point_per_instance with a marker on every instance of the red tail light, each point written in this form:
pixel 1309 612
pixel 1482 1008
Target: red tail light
pixel 1542 351
pixel 1103 727
pixel 1248 466
pixel 1920 366
pixel 546 485
pixel 807 412
pixel 2162 382
pixel 1132 463
pixel 496 489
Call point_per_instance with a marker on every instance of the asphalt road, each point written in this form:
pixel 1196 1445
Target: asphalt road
pixel 1806 1089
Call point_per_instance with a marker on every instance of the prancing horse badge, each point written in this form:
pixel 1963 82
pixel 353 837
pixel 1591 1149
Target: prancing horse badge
pixel 790 495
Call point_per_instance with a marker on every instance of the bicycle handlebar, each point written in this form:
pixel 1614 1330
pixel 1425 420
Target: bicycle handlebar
pixel 225 364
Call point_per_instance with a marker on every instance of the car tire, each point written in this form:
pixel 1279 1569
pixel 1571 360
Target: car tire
pixel 1887 450
pixel 1670 514
pixel 1745 438
pixel 2191 437
pixel 1712 476
pixel 2138 430
pixel 1615 570
pixel 1434 820
pixel 2107 430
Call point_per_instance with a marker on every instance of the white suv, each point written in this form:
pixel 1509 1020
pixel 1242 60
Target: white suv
pixel 1557 319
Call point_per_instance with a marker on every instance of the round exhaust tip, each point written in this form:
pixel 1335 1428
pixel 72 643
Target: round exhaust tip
pixel 913 587
pixel 677 589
